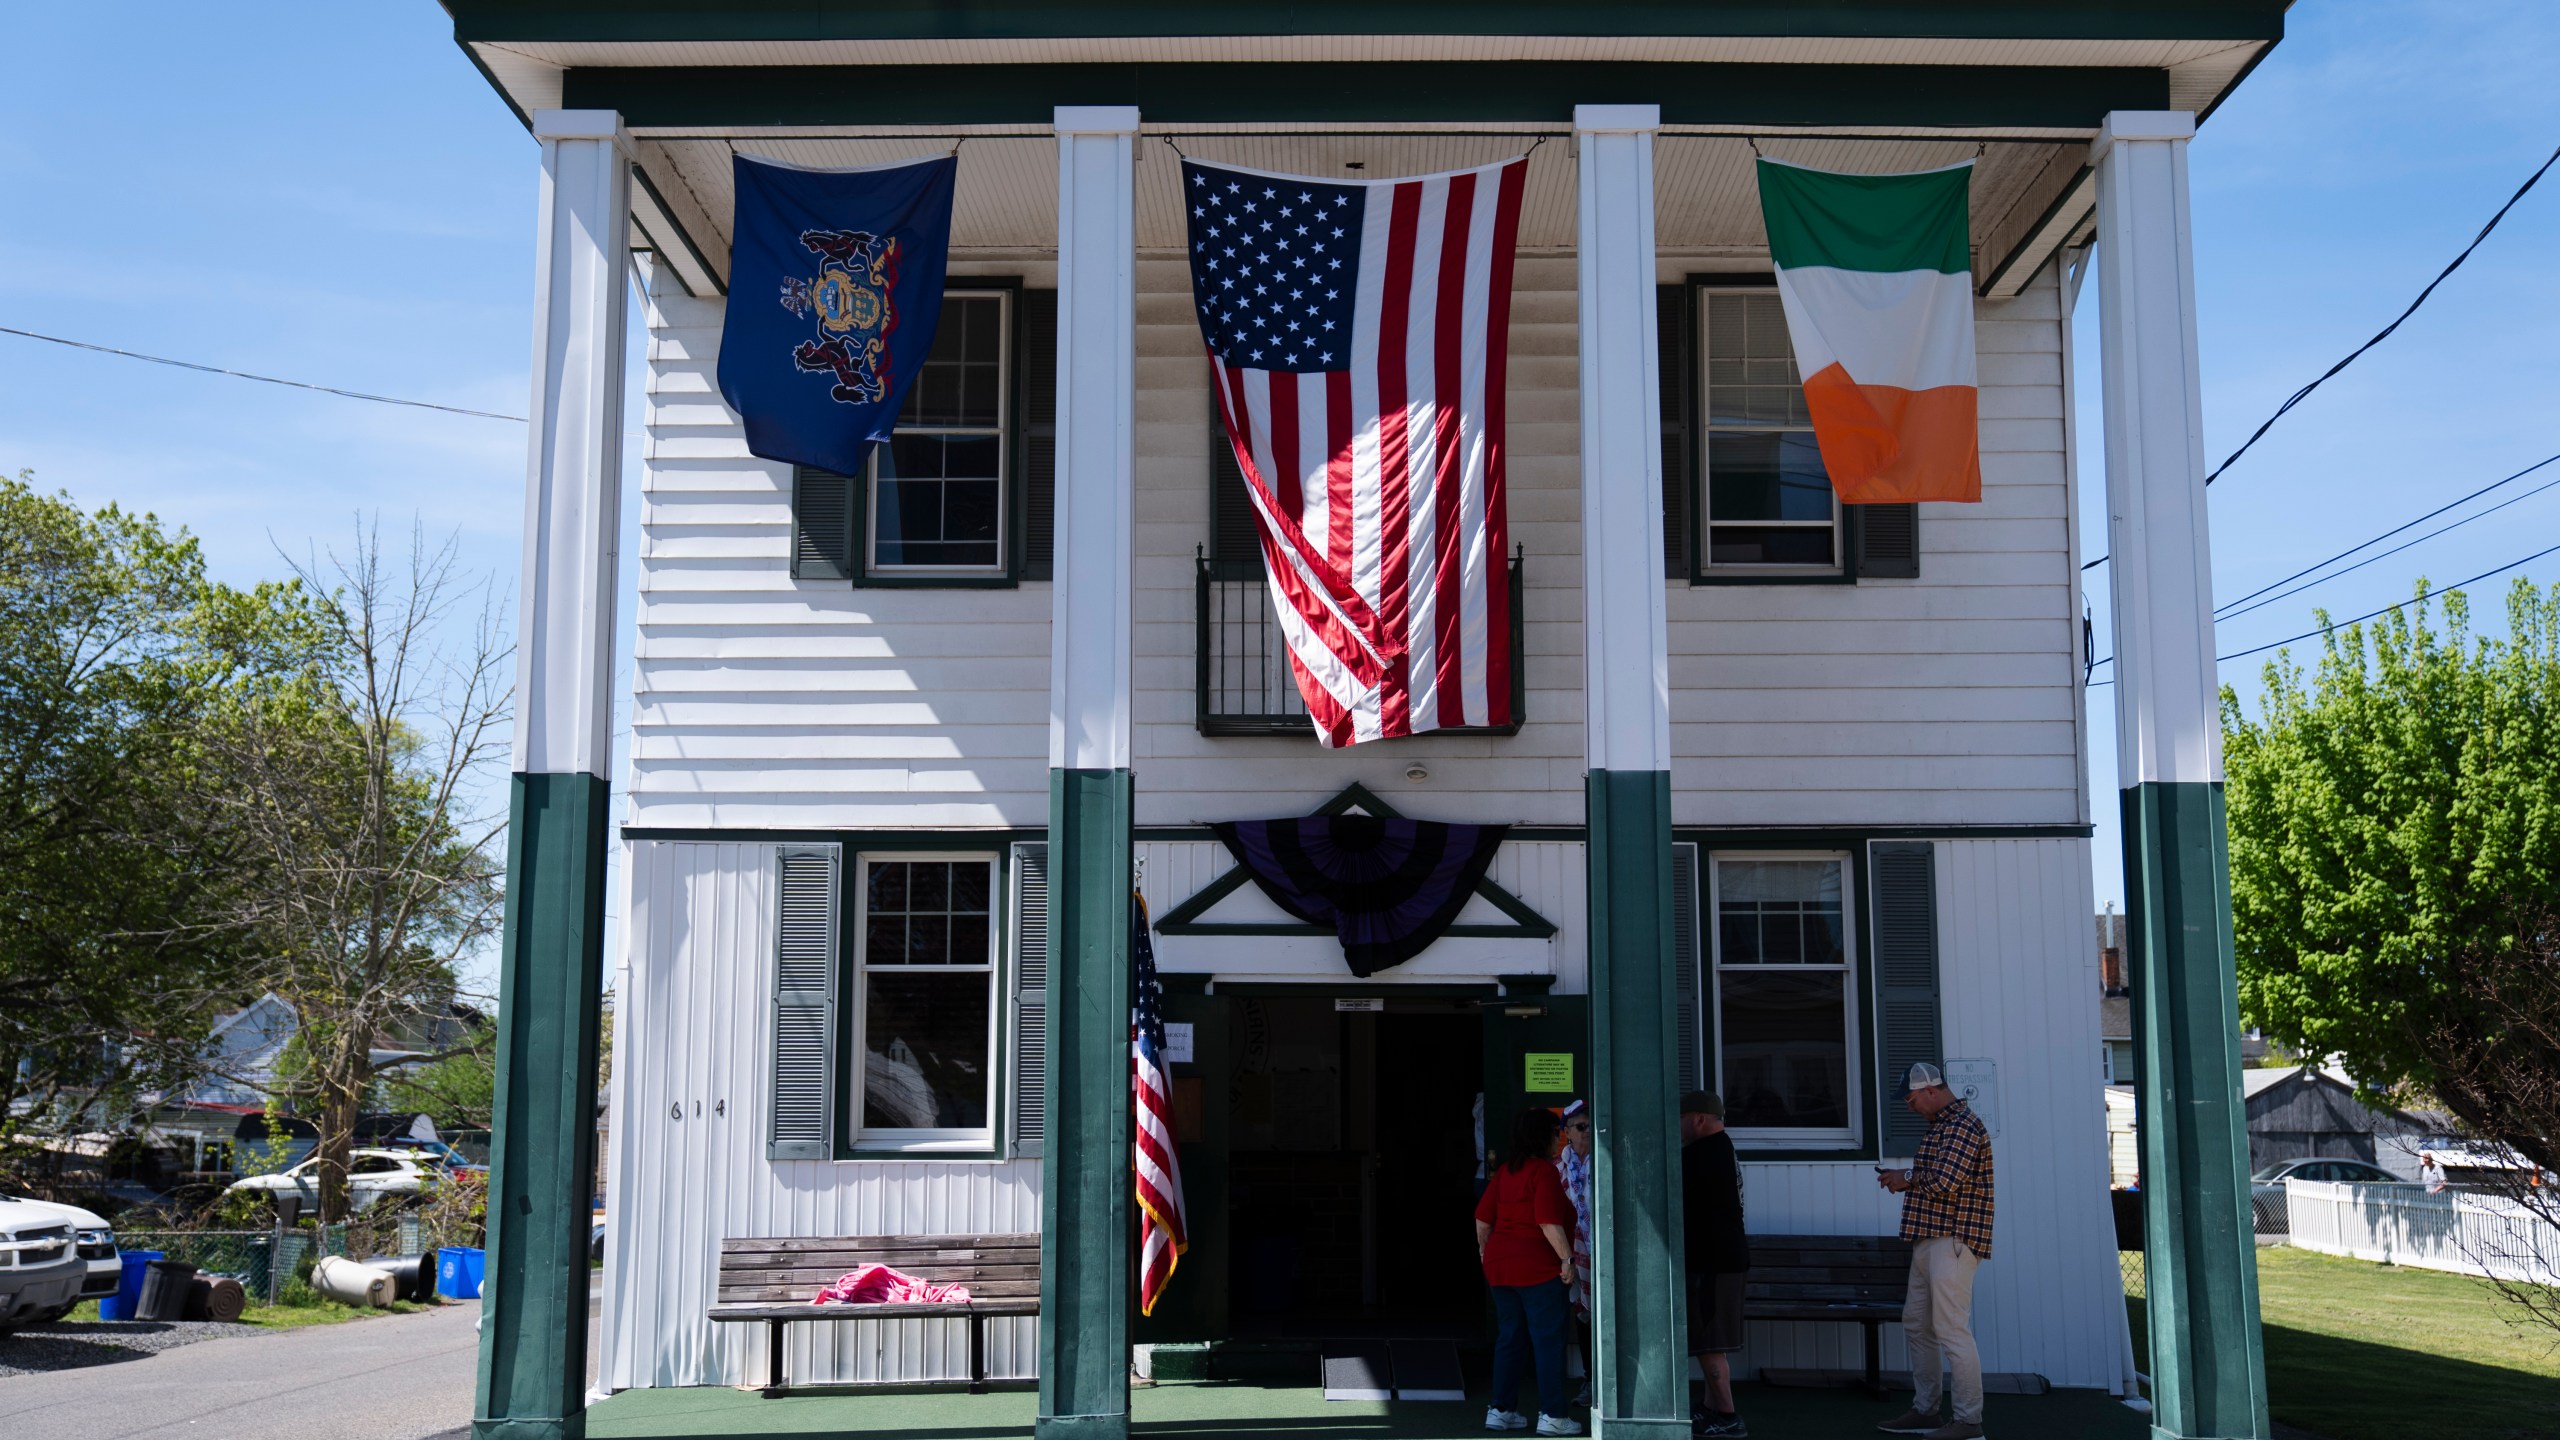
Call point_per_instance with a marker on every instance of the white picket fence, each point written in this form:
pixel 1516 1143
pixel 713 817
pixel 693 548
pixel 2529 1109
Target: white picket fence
pixel 2405 1225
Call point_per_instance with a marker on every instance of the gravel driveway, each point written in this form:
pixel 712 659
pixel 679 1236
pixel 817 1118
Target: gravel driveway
pixel 75 1344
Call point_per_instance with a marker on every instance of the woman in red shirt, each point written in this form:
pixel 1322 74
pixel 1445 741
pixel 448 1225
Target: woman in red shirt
pixel 1524 1233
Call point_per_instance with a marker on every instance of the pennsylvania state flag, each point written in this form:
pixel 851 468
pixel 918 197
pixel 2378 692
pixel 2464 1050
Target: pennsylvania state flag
pixel 835 288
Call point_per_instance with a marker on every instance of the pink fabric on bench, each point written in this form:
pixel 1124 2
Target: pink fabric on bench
pixel 880 1285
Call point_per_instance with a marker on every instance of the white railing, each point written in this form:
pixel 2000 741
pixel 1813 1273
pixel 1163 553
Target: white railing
pixel 2405 1225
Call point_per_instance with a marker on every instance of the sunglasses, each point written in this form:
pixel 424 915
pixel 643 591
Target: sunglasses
pixel 1582 1125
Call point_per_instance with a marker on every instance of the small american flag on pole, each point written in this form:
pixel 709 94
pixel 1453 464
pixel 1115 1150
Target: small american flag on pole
pixel 1358 333
pixel 1162 1234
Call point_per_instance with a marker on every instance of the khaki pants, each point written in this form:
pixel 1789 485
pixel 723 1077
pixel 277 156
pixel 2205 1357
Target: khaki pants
pixel 1937 1322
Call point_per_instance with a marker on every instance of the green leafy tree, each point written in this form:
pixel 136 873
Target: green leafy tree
pixel 2395 858
pixel 121 937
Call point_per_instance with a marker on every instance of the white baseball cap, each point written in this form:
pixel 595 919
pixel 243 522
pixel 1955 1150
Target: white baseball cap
pixel 1922 1076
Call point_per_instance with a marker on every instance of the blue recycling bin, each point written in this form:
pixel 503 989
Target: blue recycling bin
pixel 128 1297
pixel 459 1269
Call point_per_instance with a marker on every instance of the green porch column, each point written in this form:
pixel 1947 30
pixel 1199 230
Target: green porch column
pixel 1086 1199
pixel 1640 1320
pixel 1638 1296
pixel 2208 1371
pixel 1086 1279
pixel 542 1159
pixel 533 1336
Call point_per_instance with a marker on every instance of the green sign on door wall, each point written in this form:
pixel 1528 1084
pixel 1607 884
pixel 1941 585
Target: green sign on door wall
pixel 1548 1072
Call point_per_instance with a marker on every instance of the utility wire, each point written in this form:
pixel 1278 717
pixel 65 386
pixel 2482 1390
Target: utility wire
pixel 2385 333
pixel 2394 550
pixel 2387 534
pixel 2299 395
pixel 2385 610
pixel 265 379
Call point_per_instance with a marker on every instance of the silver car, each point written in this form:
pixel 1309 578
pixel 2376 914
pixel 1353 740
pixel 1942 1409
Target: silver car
pixel 41 1272
pixel 2268 1183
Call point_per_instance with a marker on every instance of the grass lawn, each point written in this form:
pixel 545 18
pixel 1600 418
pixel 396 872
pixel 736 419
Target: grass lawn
pixel 284 1317
pixel 2359 1351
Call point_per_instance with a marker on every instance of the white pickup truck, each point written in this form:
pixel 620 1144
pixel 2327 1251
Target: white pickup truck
pixel 42 1274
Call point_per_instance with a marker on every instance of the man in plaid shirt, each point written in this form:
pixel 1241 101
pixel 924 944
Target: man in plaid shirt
pixel 1946 1215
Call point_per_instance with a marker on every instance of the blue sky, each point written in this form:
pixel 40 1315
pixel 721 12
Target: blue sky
pixel 332 193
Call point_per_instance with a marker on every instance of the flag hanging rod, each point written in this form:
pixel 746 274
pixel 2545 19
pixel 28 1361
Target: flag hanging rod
pixel 1354 133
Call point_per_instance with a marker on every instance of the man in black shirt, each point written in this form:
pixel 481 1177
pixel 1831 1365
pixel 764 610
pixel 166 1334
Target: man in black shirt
pixel 1718 1256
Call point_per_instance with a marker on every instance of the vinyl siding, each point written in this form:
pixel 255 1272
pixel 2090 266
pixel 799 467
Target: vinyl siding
pixel 687 1155
pixel 1951 699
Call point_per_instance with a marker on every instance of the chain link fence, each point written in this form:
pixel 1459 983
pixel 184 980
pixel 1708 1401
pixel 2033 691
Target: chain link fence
pixel 268 1263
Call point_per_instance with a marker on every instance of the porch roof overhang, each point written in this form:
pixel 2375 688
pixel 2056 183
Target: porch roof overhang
pixel 1867 86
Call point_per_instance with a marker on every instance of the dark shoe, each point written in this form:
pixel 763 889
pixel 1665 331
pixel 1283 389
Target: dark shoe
pixel 1909 1422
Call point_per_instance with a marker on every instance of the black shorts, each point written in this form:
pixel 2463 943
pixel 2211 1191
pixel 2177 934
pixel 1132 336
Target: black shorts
pixel 1715 1313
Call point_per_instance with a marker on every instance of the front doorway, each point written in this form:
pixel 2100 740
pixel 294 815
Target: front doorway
pixel 1351 1165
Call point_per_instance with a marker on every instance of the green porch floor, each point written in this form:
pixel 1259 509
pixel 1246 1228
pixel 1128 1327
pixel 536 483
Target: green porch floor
pixel 1230 1410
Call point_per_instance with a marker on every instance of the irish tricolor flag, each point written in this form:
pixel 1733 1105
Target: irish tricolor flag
pixel 1878 290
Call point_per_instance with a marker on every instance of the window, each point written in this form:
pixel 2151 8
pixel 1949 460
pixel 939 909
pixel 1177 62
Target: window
pixel 1769 505
pixel 1784 1001
pixel 960 493
pixel 924 1007
pixel 937 485
pixel 1745 498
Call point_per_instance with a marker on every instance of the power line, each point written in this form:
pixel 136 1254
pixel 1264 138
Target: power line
pixel 2385 333
pixel 2394 550
pixel 2385 610
pixel 2387 534
pixel 266 379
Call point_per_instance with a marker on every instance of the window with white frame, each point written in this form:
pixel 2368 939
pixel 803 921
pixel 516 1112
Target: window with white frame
pixel 1769 505
pixel 937 488
pixel 1785 997
pixel 925 1002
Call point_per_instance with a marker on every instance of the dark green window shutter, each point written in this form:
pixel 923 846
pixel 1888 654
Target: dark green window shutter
pixel 1039 370
pixel 1685 981
pixel 804 1005
pixel 1888 541
pixel 1234 540
pixel 1030 996
pixel 1677 337
pixel 821 525
pixel 1906 935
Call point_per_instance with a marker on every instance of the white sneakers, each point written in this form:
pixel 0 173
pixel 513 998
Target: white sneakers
pixel 1547 1424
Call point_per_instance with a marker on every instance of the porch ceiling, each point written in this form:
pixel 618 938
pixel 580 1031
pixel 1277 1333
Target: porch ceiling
pixel 1706 205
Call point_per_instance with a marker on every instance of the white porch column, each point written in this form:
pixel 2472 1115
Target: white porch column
pixel 1085 1196
pixel 533 1343
pixel 2208 1375
pixel 1637 1288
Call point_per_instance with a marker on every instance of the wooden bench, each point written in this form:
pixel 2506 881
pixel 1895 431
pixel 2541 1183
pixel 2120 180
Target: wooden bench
pixel 773 1280
pixel 1848 1279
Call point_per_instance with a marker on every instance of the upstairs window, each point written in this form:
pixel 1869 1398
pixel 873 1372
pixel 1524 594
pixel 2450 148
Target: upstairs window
pixel 960 493
pixel 1745 496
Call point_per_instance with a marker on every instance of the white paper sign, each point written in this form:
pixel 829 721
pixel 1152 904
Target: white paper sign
pixel 1360 1004
pixel 1177 1042
pixel 1977 1084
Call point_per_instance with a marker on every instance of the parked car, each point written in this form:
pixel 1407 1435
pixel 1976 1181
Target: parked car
pixel 41 1272
pixel 96 1241
pixel 371 1175
pixel 2268 1183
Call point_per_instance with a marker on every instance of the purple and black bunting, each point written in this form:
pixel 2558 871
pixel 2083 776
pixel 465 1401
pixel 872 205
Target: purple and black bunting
pixel 1386 887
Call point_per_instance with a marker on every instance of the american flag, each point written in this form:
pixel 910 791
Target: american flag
pixel 1162 1234
pixel 1357 332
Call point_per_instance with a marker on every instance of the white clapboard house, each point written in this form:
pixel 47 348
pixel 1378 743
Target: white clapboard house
pixel 866 982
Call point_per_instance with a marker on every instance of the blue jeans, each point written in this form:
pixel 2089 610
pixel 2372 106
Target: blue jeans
pixel 1530 1317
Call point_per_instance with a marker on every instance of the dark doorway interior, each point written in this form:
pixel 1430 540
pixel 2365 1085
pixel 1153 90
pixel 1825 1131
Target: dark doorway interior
pixel 1353 1167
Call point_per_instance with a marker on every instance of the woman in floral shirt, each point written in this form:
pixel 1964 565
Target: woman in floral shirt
pixel 1575 1166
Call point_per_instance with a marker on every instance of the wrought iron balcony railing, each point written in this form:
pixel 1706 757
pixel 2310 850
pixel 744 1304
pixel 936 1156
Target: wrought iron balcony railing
pixel 1244 684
